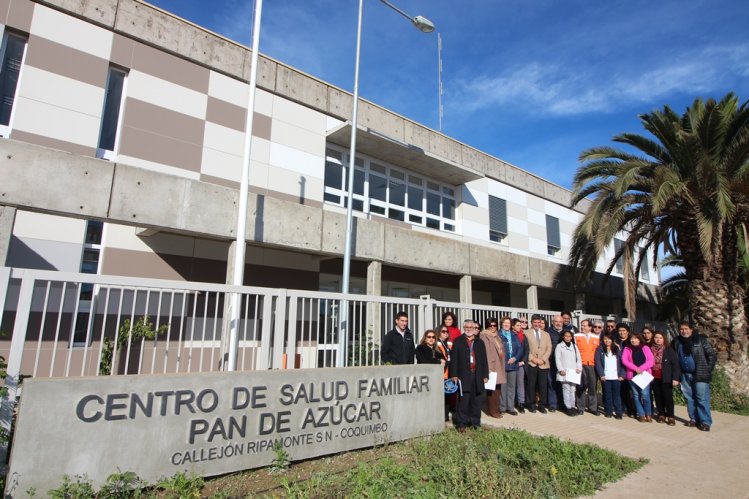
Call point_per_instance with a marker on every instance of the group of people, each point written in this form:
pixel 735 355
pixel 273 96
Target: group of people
pixel 509 368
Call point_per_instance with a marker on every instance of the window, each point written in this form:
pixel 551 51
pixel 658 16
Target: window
pixel 497 219
pixel 89 265
pixel 644 269
pixel 553 239
pixel 380 189
pixel 11 53
pixel 112 114
pixel 618 245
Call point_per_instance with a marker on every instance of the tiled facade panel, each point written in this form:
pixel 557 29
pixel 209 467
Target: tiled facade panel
pixel 161 135
pixel 222 152
pixel 71 32
pixel 69 113
pixel 165 94
pixel 226 114
pixel 17 13
pixel 46 242
pixel 170 68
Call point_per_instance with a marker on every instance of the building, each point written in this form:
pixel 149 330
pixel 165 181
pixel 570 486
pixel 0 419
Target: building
pixel 122 132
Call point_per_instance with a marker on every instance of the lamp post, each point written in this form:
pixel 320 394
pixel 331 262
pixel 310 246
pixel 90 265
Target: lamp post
pixel 422 24
pixel 235 311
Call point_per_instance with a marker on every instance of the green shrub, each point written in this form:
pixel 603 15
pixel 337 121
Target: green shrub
pixel 722 398
pixel 81 488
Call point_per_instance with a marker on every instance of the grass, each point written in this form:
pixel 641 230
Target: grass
pixel 482 463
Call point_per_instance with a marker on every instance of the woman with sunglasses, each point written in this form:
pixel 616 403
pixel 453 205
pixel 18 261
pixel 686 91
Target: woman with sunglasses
pixel 495 356
pixel 427 351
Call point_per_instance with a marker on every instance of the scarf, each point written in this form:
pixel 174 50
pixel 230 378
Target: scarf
pixel 638 356
pixel 658 358
pixel 508 336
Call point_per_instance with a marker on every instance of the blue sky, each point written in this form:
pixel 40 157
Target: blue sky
pixel 532 82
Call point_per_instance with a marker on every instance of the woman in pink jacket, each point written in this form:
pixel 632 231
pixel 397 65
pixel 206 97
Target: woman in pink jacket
pixel 638 358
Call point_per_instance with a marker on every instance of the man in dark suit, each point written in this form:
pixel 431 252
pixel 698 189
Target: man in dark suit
pixel 469 365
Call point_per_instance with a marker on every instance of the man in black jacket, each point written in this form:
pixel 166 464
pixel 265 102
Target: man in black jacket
pixel 697 359
pixel 398 346
pixel 469 365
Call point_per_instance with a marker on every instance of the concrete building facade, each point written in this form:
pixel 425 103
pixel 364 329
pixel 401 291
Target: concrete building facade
pixel 122 135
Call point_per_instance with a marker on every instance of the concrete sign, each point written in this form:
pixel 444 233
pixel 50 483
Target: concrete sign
pixel 209 424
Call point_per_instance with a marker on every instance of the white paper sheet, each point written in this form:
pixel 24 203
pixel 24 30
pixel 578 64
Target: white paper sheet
pixel 643 379
pixel 492 383
pixel 572 376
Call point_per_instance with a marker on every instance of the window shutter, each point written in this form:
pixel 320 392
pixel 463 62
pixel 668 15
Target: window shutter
pixel 498 215
pixel 552 232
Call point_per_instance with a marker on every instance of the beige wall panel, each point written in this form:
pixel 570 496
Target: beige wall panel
pixel 298 138
pixel 52 227
pixel 226 114
pixel 61 145
pixel 160 149
pixel 165 94
pixel 72 32
pixel 122 51
pixel 263 102
pixel 137 264
pixel 221 164
pixel 260 150
pixel 170 68
pixel 64 61
pixel 162 121
pixel 19 14
pixel 223 139
pixel 229 90
pixel 298 115
pixel 259 171
pixel 71 95
pixel 298 161
pixel 55 122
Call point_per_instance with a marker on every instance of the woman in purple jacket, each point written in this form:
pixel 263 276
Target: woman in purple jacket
pixel 637 358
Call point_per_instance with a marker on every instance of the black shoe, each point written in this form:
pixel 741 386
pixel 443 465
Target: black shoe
pixel 572 412
pixel 532 409
pixel 512 413
pixel 608 414
pixel 704 427
pixel 542 410
pixel 552 409
pixel 521 409
pixel 595 413
pixel 618 416
pixel 691 423
pixel 580 412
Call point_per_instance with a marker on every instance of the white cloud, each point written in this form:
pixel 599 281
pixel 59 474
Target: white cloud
pixel 560 90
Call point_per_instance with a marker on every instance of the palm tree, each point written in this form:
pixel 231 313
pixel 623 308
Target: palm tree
pixel 687 190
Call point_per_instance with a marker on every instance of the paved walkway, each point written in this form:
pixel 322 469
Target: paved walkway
pixel 684 462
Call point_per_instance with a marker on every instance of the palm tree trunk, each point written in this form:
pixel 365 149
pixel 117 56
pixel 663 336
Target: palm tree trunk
pixel 718 312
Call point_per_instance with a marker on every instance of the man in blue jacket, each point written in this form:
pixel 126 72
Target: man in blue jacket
pixel 697 359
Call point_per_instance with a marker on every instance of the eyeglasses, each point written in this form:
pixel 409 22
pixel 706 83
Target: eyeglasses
pixel 431 337
pixel 597 327
pixel 444 331
pixel 492 325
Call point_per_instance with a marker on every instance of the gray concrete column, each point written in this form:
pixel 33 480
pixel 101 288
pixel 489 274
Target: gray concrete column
pixel 466 289
pixel 375 329
pixel 580 301
pixel 531 296
pixel 466 296
pixel 226 323
pixel 7 219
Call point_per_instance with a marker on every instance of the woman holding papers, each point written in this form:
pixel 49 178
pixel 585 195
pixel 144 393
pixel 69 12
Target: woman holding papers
pixel 611 372
pixel 638 359
pixel 495 356
pixel 569 366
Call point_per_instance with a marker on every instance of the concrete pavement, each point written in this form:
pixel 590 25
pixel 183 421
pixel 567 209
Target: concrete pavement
pixel 684 462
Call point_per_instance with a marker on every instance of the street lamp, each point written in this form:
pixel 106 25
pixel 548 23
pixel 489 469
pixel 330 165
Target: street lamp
pixel 422 24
